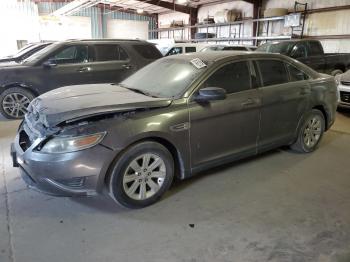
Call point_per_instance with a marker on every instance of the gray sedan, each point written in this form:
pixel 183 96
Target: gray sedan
pixel 173 118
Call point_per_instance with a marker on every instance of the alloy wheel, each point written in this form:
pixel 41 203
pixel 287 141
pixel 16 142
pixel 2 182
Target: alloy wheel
pixel 312 131
pixel 15 104
pixel 144 176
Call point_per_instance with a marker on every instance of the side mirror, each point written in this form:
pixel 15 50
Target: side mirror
pixel 210 94
pixel 50 63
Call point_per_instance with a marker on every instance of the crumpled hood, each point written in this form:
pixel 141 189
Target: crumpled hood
pixel 81 101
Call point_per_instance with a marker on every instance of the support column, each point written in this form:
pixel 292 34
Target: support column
pixel 256 9
pixel 193 21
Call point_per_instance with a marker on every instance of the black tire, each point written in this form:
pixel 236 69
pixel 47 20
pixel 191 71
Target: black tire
pixel 336 72
pixel 19 92
pixel 300 144
pixel 119 171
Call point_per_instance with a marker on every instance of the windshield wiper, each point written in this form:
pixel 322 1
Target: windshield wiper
pixel 137 90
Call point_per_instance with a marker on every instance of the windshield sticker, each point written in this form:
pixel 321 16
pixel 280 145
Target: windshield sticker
pixel 198 63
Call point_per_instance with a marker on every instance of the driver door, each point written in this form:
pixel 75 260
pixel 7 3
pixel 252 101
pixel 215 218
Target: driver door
pixel 69 66
pixel 226 129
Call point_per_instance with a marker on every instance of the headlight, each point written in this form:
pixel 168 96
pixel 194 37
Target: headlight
pixel 71 144
pixel 337 79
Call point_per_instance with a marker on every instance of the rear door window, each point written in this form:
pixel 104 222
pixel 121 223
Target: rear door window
pixel 147 51
pixel 315 48
pixel 110 53
pixel 273 72
pixel 234 77
pixel 190 49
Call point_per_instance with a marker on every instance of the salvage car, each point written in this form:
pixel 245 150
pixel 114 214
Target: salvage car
pixel 310 52
pixel 70 63
pixel 24 53
pixel 173 118
pixel 343 82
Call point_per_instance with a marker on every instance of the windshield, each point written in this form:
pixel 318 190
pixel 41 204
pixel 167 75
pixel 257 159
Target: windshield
pixel 167 77
pixel 38 55
pixel 25 50
pixel 22 50
pixel 281 48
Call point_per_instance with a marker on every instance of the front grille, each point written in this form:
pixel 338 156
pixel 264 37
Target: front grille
pixel 345 83
pixel 345 96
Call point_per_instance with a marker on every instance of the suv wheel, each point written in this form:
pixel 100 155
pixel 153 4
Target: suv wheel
pixel 142 174
pixel 310 133
pixel 14 102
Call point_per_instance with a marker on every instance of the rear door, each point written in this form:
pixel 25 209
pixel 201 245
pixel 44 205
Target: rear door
pixel 285 92
pixel 226 128
pixel 112 64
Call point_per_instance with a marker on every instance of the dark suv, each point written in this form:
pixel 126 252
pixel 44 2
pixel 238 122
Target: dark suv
pixel 70 62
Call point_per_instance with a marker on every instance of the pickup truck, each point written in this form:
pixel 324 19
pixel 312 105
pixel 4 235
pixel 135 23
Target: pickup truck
pixel 310 52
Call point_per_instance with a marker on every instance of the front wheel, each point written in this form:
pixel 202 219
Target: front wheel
pixel 142 174
pixel 310 133
pixel 14 102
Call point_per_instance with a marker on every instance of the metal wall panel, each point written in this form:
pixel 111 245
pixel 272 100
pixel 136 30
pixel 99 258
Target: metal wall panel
pixel 19 21
pixel 320 24
pixel 98 17
pixel 94 13
pixel 129 16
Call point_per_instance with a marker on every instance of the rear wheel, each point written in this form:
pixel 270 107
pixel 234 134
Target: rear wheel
pixel 14 102
pixel 310 133
pixel 141 175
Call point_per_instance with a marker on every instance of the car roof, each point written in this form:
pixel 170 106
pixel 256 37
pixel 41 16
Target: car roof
pixel 213 56
pixel 106 41
pixel 293 41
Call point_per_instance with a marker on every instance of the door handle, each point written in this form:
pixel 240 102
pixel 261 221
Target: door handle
pixel 84 69
pixel 127 66
pixel 248 102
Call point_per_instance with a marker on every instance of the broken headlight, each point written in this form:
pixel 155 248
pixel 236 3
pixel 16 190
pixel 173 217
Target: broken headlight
pixel 72 143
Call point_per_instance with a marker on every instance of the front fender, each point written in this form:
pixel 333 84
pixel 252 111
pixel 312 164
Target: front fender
pixel 168 126
pixel 7 85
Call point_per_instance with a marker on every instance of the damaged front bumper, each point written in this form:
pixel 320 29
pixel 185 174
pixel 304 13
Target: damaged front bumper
pixel 79 173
